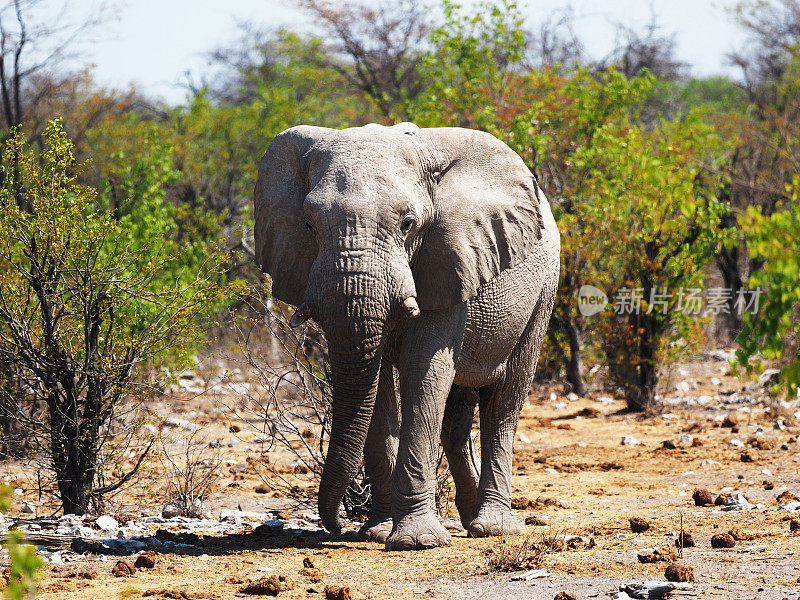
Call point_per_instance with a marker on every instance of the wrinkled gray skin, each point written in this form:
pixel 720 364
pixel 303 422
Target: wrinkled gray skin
pixel 432 251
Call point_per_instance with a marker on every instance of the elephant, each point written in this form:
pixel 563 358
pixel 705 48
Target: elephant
pixel 432 252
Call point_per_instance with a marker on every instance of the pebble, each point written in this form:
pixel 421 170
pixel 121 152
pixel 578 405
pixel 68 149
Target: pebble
pixel 524 438
pixel 28 509
pixel 550 471
pixel 716 381
pixel 734 443
pixel 532 574
pixel 629 440
pixel 106 523
pixel 686 438
pixel 572 397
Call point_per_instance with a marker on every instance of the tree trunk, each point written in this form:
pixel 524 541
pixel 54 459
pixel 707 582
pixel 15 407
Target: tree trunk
pixel 575 361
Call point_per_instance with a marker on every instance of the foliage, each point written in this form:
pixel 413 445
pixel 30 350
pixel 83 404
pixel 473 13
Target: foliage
pixel 24 560
pixel 773 331
pixel 635 202
pixel 93 289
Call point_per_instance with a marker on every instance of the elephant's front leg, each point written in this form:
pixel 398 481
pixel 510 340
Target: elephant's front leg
pixel 380 453
pixel 427 367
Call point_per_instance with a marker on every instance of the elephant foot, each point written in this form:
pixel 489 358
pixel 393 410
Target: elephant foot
pixel 417 532
pixel 494 520
pixel 376 529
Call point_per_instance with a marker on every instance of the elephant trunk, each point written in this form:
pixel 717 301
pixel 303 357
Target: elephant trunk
pixel 354 369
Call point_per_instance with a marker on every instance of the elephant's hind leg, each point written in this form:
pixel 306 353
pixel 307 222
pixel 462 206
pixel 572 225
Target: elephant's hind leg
pixel 500 405
pixel 460 450
pixel 380 454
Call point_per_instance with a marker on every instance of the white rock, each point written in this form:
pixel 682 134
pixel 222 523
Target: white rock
pixel 553 397
pixel 734 443
pixel 686 438
pixel 669 416
pixel 28 509
pixel 107 523
pixel 629 440
pixel 737 502
pixel 768 377
pixel 572 397
pixel 780 424
pixel 703 400
pixel 766 472
pixel 716 381
pixel 791 506
pixel 605 400
pixel 560 405
pixel 683 386
pixel 708 462
pixel 550 471
pixel 528 575
pixel 524 438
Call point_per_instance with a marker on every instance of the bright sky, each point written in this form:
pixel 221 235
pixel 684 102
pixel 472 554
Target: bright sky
pixel 153 43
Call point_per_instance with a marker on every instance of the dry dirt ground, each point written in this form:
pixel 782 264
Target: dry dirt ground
pixel 570 470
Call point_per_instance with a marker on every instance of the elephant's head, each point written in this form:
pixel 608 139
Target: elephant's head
pixel 363 227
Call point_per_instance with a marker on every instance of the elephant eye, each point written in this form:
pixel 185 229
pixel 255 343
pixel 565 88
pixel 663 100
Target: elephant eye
pixel 407 224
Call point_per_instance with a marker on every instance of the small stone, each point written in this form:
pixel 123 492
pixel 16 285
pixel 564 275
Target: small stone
pixel 172 510
pixel 722 500
pixel 234 428
pixel 746 457
pixel 734 443
pixel 262 489
pixel 668 445
pixel 520 503
pixel 565 596
pixel 314 575
pixel 679 572
pixel 123 569
pixel 535 520
pixel 786 496
pixel 794 525
pixel 702 497
pixel 722 540
pixel 729 422
pixel 524 438
pixel 147 560
pixel 572 397
pixel 715 381
pixel 106 523
pixel 639 525
pixel 308 564
pixel 629 440
pixel 686 439
pixel 739 535
pixel 28 509
pixel 658 555
pixel 684 540
pixel 768 485
pixel 334 592
pixel 268 586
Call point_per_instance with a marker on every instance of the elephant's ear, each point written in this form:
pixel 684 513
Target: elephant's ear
pixel 486 216
pixel 284 247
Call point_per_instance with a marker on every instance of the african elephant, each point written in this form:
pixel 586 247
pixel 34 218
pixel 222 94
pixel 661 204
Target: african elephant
pixel 433 251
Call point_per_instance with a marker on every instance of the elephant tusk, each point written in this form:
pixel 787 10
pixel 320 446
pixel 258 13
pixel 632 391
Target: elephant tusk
pixel 411 306
pixel 300 316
